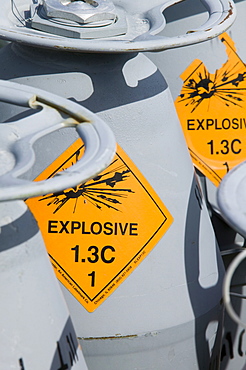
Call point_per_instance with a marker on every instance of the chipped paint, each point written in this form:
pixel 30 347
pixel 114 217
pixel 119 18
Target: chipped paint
pixel 117 336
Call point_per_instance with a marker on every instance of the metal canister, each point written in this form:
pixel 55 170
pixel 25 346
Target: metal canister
pixel 133 248
pixel 208 84
pixel 36 327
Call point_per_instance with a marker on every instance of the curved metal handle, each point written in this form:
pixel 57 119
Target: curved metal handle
pixel 52 113
pixel 221 15
pixel 226 288
pixel 231 197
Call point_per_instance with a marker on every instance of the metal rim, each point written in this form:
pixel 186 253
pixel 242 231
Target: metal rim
pixel 221 15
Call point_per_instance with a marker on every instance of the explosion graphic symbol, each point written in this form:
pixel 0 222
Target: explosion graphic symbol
pixel 101 191
pixel 224 85
pixel 211 108
pixel 98 232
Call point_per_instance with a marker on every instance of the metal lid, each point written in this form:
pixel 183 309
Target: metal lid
pixel 104 25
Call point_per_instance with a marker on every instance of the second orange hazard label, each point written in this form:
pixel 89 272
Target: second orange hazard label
pixel 211 109
pixel 97 233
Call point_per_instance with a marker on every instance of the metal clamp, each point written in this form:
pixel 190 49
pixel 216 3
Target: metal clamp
pixel 226 288
pixel 144 19
pixel 231 197
pixel 51 113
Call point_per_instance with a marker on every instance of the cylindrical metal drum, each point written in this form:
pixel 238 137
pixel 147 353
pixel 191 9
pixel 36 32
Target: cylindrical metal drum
pixel 133 248
pixel 36 328
pixel 208 84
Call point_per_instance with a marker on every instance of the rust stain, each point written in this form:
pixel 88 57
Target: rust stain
pixel 230 12
pixel 112 337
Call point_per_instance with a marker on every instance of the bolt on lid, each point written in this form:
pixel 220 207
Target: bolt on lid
pixel 84 12
pixel 87 19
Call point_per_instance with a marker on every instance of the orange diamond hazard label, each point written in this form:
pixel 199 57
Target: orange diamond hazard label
pixel 97 233
pixel 211 109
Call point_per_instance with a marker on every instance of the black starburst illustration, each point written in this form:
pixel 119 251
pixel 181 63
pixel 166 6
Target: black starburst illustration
pixel 226 84
pixel 100 191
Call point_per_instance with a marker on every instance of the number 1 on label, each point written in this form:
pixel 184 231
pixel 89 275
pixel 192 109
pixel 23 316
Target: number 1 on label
pixel 92 274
